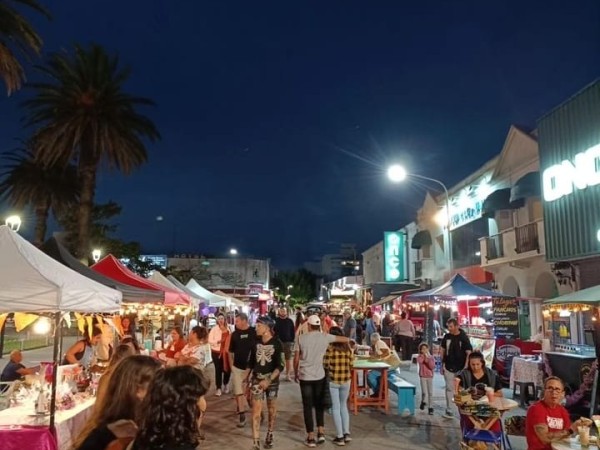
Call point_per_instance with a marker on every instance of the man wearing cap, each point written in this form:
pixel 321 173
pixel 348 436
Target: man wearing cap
pixel 241 346
pixel 284 330
pixel 309 371
pixel 266 364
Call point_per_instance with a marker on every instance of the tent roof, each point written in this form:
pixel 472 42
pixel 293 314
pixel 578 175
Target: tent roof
pixel 590 296
pixel 131 294
pixel 113 268
pixel 235 301
pixel 211 298
pixel 159 278
pixel 455 287
pixel 183 287
pixel 32 281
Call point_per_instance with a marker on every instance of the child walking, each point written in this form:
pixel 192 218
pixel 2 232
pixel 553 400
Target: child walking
pixel 426 365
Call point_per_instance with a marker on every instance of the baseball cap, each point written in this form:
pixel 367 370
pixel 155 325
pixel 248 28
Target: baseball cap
pixel 266 320
pixel 314 320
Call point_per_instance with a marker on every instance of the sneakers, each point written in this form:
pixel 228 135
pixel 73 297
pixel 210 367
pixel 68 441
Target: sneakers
pixel 218 393
pixel 347 437
pixel 320 438
pixel 339 441
pixel 448 415
pixel 242 422
pixel 256 445
pixel 422 406
pixel 430 411
pixel 226 390
pixel 310 442
pixel 269 440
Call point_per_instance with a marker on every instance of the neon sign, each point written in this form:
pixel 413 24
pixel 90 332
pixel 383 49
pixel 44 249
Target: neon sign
pixel 393 256
pixel 561 179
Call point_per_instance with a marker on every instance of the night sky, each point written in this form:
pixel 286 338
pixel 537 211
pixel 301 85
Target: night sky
pixel 279 118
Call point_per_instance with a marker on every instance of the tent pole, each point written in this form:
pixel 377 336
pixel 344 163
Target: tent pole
pixel 55 357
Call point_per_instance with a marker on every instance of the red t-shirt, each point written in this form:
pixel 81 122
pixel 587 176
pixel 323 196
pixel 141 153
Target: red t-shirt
pixel 556 418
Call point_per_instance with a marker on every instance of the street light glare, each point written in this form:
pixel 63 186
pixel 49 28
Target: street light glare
pixel 396 173
pixel 233 251
pixel 13 222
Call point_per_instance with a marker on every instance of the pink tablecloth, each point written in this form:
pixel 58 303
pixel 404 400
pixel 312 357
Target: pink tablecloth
pixel 26 437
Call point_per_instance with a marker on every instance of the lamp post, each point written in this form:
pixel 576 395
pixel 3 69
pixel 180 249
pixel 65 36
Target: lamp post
pixel 289 287
pixel 13 222
pixel 96 254
pixel 397 174
pixel 233 252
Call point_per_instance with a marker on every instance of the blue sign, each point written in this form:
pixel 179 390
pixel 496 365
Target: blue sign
pixel 393 256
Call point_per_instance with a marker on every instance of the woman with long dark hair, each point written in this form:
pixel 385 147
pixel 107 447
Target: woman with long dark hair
pixel 172 410
pixel 117 409
pixel 82 351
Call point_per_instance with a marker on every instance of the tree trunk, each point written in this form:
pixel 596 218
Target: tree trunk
pixel 87 177
pixel 41 222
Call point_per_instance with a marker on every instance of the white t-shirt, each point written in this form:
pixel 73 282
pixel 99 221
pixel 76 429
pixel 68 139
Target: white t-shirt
pixel 380 346
pixel 200 352
pixel 312 347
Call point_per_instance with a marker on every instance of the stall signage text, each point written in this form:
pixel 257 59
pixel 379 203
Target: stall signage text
pixel 559 180
pixel 506 317
pixel 393 256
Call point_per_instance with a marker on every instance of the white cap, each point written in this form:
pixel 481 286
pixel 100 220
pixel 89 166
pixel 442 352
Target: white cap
pixel 314 320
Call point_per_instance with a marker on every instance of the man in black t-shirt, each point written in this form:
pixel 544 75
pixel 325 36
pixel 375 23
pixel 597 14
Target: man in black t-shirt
pixel 285 330
pixel 241 347
pixel 267 364
pixel 455 348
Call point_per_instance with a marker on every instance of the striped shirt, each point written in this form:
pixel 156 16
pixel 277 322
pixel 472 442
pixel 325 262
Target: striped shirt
pixel 339 364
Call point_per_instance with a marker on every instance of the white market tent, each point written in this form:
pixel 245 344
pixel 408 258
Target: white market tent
pixel 212 298
pixel 159 278
pixel 31 281
pixel 184 288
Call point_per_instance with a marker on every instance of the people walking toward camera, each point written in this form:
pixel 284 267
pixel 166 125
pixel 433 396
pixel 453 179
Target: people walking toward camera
pixel 243 340
pixel 284 330
pixel 267 364
pixel 455 348
pixel 426 364
pixel 218 338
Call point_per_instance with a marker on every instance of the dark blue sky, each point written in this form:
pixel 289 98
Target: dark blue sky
pixel 261 104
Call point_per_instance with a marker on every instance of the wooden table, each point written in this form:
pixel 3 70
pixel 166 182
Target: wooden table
pixel 359 394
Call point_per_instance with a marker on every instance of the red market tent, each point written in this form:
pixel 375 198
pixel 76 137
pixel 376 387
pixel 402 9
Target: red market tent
pixel 113 268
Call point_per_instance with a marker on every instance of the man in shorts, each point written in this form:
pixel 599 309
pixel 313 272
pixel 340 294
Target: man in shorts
pixel 267 363
pixel 242 344
pixel 285 331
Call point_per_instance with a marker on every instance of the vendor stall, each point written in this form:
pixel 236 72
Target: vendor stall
pixel 34 285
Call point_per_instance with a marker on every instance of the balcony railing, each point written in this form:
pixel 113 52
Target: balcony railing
pixel 418 270
pixel 495 247
pixel 526 238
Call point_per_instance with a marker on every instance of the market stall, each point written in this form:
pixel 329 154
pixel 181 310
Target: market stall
pixel 34 287
pixel 213 298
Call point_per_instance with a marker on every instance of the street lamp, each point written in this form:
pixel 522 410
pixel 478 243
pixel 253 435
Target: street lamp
pixel 289 287
pixel 96 254
pixel 397 174
pixel 13 222
pixel 233 251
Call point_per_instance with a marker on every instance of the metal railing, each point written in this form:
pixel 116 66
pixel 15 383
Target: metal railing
pixel 526 238
pixel 495 247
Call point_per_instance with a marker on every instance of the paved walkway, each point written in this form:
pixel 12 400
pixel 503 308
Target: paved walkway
pixel 370 428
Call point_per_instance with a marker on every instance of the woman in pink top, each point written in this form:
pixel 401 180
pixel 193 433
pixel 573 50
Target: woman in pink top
pixel 426 366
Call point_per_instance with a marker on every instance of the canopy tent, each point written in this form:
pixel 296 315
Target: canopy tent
pixel 454 288
pixel 184 288
pixel 32 281
pixel 159 278
pixel 589 296
pixel 113 268
pixel 131 294
pixel 233 300
pixel 212 298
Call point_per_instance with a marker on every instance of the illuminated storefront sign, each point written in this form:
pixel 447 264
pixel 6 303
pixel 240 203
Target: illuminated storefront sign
pixel 584 171
pixel 393 256
pixel 467 205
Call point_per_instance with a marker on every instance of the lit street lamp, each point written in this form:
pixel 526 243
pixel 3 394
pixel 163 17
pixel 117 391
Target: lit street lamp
pixel 233 251
pixel 397 174
pixel 290 287
pixel 13 222
pixel 96 254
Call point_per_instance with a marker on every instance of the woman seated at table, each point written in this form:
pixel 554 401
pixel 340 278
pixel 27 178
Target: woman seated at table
pixel 174 347
pixel 82 351
pixel 547 420
pixel 117 409
pixel 197 352
pixel 382 353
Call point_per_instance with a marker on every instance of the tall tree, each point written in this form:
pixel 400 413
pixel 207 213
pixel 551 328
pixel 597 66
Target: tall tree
pixel 17 36
pixel 25 182
pixel 82 114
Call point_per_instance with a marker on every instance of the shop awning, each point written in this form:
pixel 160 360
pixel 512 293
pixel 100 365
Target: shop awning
pixel 528 185
pixel 422 238
pixel 497 201
pixel 384 300
pixel 458 286
pixel 589 296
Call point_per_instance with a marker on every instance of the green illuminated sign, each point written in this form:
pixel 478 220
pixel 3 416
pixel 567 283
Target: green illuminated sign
pixel 393 256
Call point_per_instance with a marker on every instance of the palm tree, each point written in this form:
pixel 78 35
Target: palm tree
pixel 28 183
pixel 84 116
pixel 16 34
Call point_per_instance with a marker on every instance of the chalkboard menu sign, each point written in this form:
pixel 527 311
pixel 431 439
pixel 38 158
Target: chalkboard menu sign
pixel 506 317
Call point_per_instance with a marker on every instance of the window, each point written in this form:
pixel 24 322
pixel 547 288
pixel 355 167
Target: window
pixel 426 252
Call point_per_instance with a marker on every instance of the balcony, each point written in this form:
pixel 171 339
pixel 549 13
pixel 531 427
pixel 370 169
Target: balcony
pixel 514 246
